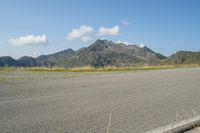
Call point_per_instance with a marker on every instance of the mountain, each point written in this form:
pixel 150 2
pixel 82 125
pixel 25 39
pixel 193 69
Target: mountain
pixel 104 52
pixel 100 53
pixel 27 61
pixel 54 59
pixel 184 57
pixel 8 61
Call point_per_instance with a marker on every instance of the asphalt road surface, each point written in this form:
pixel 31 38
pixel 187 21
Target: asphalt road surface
pixel 105 103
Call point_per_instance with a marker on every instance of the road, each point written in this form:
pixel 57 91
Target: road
pixel 106 103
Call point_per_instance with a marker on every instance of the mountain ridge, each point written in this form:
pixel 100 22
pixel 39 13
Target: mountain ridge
pixel 102 53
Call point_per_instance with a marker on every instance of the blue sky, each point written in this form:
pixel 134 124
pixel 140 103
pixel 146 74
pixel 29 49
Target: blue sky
pixel 35 27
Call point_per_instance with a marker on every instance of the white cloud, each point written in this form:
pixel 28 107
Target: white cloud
pixel 109 31
pixel 141 45
pixel 126 43
pixel 81 34
pixel 86 39
pixel 34 54
pixel 28 40
pixel 125 22
pixel 103 38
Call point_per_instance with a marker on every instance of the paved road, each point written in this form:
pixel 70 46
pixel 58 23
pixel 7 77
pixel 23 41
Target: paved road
pixel 105 103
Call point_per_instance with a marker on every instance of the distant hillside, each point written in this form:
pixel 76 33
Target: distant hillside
pixel 103 53
pixel 54 59
pixel 184 57
pixel 27 61
pixel 8 61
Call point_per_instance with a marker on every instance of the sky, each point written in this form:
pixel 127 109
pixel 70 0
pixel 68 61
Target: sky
pixel 36 27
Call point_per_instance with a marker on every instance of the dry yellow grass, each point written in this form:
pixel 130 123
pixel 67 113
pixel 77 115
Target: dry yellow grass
pixel 99 69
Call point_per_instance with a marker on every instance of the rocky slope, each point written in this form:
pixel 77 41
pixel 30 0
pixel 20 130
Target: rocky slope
pixel 103 53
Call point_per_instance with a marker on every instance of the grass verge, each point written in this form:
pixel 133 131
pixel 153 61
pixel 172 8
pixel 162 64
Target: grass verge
pixel 100 69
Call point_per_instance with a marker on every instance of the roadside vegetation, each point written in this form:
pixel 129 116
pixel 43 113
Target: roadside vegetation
pixel 20 74
pixel 99 69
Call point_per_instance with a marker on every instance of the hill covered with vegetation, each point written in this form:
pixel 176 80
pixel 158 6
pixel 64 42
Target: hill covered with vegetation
pixel 103 53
